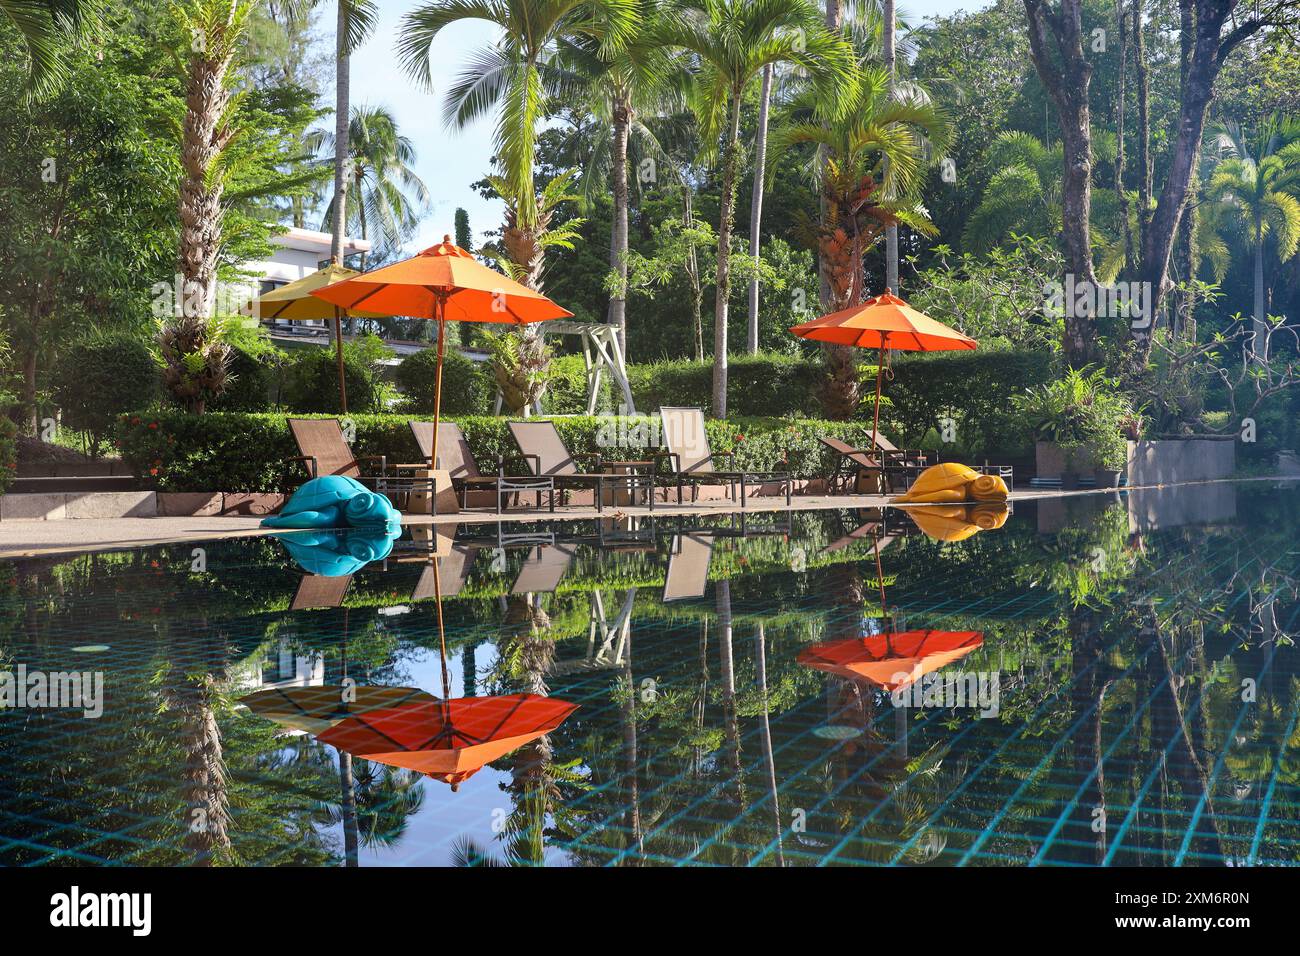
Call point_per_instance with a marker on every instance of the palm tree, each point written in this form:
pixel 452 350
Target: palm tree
pixel 520 73
pixel 638 79
pixel 45 26
pixel 732 41
pixel 1257 187
pixel 389 194
pixel 356 19
pixel 1023 196
pixel 872 144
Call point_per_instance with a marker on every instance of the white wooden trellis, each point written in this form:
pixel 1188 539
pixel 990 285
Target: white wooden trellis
pixel 601 352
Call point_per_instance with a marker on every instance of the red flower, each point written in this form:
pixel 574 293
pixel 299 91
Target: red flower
pixel 153 471
pixel 153 425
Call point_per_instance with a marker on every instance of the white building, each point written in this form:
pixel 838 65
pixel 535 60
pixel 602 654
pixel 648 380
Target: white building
pixel 301 252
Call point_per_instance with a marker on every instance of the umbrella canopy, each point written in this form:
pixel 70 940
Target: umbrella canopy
pixel 295 302
pixel 892 660
pixel 884 322
pixel 449 740
pixel 317 709
pixel 447 284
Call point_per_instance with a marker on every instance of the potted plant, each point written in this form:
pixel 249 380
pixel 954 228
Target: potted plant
pixel 1077 422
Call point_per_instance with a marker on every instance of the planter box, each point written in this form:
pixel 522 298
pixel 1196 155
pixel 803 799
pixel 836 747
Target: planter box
pixel 1185 459
pixel 1050 460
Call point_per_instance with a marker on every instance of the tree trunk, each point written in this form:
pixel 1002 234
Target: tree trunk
pixel 30 424
pixel 693 273
pixel 725 216
pixel 1130 252
pixel 618 241
pixel 1144 122
pixel 1204 58
pixel 1259 344
pixel 348 799
pixel 891 233
pixel 342 92
pixel 1066 76
pixel 756 206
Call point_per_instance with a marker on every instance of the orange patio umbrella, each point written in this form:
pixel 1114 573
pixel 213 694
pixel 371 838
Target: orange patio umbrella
pixel 884 322
pixel 295 302
pixel 891 660
pixel 446 284
pixel 448 739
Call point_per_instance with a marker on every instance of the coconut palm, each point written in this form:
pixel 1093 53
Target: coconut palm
pixel 876 147
pixel 46 27
pixel 389 195
pixel 731 42
pixel 519 73
pixel 1258 188
pixel 638 79
pixel 356 20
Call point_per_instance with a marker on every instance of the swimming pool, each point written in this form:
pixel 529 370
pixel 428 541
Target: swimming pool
pixel 1101 680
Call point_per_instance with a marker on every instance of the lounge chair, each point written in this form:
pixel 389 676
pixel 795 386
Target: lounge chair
pixel 320 590
pixel 455 456
pixel 690 460
pixel 452 574
pixel 688 567
pixel 852 464
pixel 545 454
pixel 323 450
pixel 543 570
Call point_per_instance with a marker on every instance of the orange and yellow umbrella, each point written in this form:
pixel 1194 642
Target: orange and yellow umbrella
pixel 446 284
pixel 892 660
pixel 884 322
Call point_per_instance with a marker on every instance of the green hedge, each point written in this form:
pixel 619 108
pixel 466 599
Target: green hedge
pixel 174 451
pixel 974 389
pixel 763 385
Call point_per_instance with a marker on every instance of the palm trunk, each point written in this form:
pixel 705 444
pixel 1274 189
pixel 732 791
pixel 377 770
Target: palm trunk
pixel 891 233
pixel 618 241
pixel 348 797
pixel 342 91
pixel 725 216
pixel 756 206
pixel 1259 344
pixel 361 214
pixel 693 273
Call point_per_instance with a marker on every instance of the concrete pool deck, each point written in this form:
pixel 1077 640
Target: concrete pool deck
pixel 21 538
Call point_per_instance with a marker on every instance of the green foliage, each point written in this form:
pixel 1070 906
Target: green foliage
pixel 974 390
pixel 98 378
pixel 246 452
pixel 467 387
pixel 311 381
pixel 764 385
pixel 1081 409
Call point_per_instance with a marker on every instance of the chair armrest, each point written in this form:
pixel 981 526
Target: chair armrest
pixel 382 459
pixel 674 462
pixel 533 462
pixel 730 456
pixel 594 457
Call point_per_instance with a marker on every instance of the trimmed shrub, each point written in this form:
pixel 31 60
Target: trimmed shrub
pixel 8 452
pixel 467 387
pixel 974 390
pixel 246 452
pixel 255 382
pixel 762 385
pixel 311 382
pixel 99 378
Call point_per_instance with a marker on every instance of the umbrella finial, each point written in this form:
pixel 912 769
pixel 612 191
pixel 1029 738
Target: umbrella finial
pixel 446 238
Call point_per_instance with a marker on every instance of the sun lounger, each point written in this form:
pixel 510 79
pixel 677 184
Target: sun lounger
pixel 545 454
pixel 691 461
pixel 543 570
pixel 688 567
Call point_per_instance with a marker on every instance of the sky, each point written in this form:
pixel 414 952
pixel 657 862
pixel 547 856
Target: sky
pixel 449 161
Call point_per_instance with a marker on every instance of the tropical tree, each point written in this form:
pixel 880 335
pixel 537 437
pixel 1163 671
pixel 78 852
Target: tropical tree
pixel 46 27
pixel 389 195
pixel 638 79
pixel 731 42
pixel 1257 188
pixel 356 19
pixel 519 73
pixel 873 144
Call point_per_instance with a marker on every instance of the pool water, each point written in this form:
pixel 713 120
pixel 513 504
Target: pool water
pixel 1100 680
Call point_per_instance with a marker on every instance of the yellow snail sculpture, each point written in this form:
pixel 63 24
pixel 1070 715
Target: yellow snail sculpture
pixel 951 483
pixel 958 522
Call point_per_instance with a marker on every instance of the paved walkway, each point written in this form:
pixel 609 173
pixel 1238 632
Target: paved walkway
pixel 25 538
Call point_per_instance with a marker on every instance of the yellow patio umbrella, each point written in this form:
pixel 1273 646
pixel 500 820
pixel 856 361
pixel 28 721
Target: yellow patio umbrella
pixel 295 302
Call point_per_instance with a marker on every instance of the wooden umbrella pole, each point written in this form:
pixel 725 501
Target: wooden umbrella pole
pixel 437 377
pixel 875 422
pixel 338 350
pixel 442 634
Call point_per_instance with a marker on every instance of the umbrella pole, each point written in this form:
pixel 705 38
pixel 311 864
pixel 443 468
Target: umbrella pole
pixel 875 422
pixel 338 350
pixel 437 377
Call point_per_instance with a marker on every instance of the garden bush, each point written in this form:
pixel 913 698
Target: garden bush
pixel 255 383
pixel 97 379
pixel 467 387
pixel 311 382
pixel 762 385
pixel 173 451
